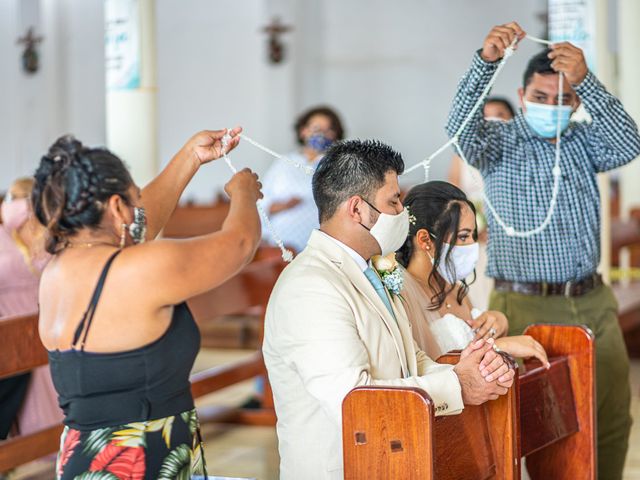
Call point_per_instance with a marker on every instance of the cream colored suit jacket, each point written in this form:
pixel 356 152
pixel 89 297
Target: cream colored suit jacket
pixel 326 332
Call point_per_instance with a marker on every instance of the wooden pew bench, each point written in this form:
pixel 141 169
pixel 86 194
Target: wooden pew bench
pixel 23 351
pixel 246 293
pixel 193 220
pixel 626 234
pixel 548 416
pixel 628 297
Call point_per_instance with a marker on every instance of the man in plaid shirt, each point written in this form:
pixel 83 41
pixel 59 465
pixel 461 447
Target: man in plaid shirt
pixel 551 276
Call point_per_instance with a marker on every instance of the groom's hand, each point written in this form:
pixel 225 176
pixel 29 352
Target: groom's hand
pixel 483 374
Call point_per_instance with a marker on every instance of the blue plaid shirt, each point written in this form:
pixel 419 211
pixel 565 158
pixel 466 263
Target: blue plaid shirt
pixel 517 166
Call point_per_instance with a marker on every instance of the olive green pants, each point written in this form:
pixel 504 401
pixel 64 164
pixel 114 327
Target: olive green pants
pixel 598 311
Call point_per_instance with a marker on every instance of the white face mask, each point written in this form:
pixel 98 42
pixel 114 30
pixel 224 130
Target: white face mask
pixel 463 258
pixel 390 231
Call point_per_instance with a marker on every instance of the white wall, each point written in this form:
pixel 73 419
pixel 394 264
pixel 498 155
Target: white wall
pixel 390 68
pixel 65 96
pixel 211 75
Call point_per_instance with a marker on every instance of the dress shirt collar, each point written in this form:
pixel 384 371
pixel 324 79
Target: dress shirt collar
pixel 362 263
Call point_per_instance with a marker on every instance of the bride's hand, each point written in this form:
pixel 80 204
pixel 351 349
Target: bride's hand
pixel 523 346
pixel 490 324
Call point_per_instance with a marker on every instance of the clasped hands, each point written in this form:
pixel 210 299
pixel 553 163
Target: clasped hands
pixel 483 373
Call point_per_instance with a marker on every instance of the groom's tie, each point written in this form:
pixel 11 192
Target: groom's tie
pixel 375 280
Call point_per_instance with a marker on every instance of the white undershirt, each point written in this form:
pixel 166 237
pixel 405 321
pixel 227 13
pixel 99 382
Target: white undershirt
pixel 362 263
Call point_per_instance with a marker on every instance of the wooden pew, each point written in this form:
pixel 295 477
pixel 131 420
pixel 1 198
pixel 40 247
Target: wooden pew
pixel 193 220
pixel 555 445
pixel 22 351
pixel 626 234
pixel 246 293
pixel 548 416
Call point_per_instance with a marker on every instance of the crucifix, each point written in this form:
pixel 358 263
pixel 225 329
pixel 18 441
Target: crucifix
pixel 276 47
pixel 30 58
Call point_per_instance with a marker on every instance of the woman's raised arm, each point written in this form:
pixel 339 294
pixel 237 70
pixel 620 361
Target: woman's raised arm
pixel 161 195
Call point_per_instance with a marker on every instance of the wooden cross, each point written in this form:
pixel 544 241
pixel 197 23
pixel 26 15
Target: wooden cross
pixel 30 60
pixel 276 47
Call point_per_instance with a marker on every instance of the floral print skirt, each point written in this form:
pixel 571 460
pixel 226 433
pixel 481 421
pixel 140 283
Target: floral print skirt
pixel 163 449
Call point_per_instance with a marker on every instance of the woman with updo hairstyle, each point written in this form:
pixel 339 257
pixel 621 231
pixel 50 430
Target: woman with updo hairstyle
pixel 440 253
pixel 113 316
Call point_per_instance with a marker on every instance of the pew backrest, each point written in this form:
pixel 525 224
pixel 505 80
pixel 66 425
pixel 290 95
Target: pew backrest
pixel 194 220
pixel 22 349
pixel 393 439
pixel 246 293
pixel 21 352
pixel 547 415
pixel 572 453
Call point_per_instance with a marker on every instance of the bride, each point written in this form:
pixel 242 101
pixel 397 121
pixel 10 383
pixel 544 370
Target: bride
pixel 439 254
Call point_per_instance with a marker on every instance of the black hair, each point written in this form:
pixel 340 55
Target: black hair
pixel 503 101
pixel 436 206
pixel 539 63
pixel 72 185
pixel 352 167
pixel 334 121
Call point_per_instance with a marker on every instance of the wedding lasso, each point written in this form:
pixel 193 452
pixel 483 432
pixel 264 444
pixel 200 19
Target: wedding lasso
pixel 426 163
pixel 287 255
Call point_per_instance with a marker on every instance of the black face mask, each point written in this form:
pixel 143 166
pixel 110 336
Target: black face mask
pixel 138 228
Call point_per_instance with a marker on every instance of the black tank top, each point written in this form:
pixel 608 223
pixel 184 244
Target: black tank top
pixel 99 390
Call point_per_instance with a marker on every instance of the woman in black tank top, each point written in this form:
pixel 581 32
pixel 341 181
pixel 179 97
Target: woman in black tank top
pixel 125 392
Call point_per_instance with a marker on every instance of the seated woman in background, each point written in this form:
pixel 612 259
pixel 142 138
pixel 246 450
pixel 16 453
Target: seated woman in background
pixel 22 258
pixel 439 254
pixel 287 192
pixel 113 316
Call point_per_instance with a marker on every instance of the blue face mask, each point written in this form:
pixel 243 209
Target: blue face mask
pixel 319 142
pixel 543 119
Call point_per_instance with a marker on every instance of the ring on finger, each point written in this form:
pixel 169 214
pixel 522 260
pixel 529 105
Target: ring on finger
pixel 492 332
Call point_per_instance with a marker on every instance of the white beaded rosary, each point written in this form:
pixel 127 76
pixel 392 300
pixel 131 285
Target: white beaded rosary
pixel 509 230
pixel 287 255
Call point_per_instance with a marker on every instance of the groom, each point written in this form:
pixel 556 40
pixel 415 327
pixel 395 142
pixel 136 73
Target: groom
pixel 331 325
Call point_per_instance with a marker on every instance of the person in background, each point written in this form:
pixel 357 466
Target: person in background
pixel 28 399
pixel 552 276
pixel 496 109
pixel 287 190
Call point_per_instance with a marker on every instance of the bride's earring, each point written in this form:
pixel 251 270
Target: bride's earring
pixel 123 233
pixel 426 250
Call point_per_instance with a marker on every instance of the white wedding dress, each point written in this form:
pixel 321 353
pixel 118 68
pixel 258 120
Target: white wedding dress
pixel 435 334
pixel 451 332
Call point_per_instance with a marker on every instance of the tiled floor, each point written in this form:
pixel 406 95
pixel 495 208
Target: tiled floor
pixel 251 452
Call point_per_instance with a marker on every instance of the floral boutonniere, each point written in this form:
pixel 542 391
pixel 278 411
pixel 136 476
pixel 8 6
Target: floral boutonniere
pixel 390 273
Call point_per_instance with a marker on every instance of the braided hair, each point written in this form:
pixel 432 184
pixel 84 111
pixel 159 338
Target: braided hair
pixel 72 186
pixel 436 207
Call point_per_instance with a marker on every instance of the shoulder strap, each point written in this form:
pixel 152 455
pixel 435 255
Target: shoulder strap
pixel 87 318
